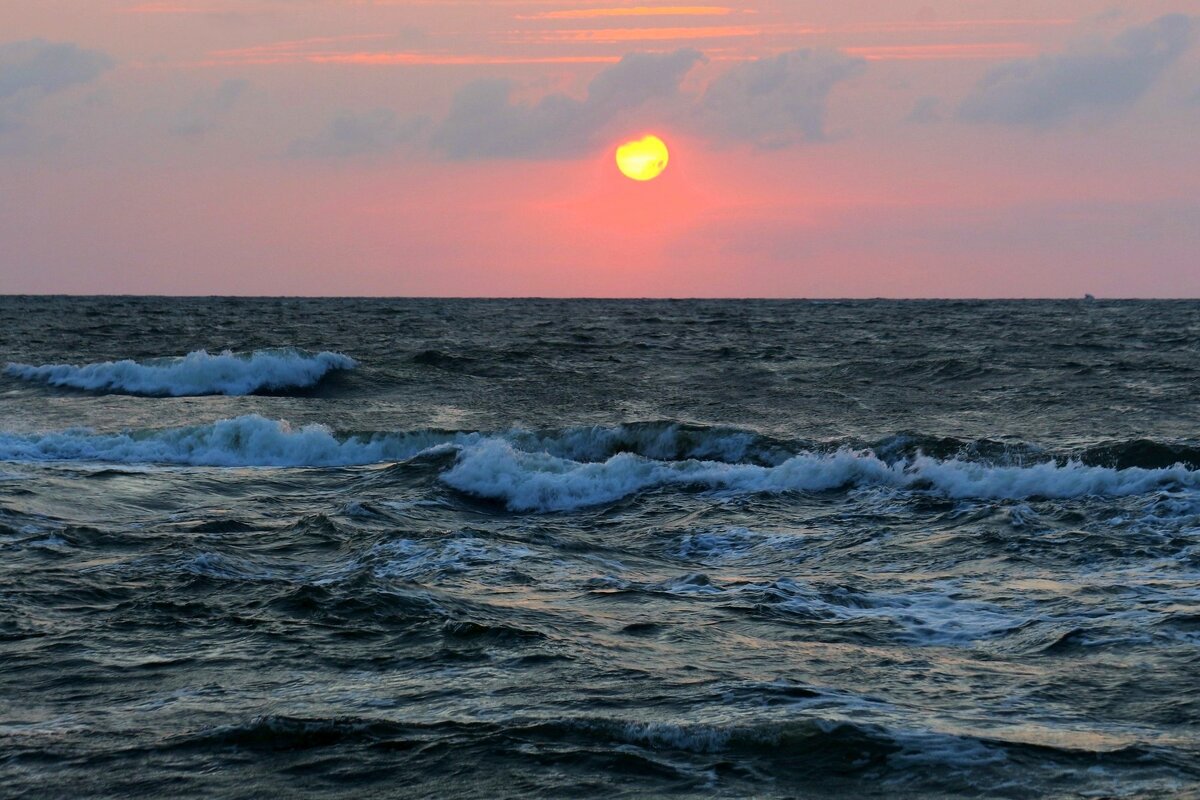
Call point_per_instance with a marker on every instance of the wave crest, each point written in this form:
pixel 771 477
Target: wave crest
pixel 554 472
pixel 197 373
pixel 247 441
pixel 495 470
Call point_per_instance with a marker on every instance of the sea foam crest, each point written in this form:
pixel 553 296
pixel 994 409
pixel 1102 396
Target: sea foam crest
pixel 515 470
pixel 525 481
pixel 247 441
pixel 197 373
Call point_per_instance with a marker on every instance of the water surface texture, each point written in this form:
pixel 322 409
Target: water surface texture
pixel 424 548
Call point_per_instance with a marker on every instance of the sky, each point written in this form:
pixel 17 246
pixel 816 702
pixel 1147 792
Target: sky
pixel 863 148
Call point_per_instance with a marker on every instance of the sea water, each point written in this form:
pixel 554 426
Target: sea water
pixel 432 548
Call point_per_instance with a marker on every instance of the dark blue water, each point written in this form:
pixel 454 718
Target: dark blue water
pixel 423 548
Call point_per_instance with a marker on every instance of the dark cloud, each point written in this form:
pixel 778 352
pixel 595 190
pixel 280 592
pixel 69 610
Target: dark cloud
pixel 1047 89
pixel 205 111
pixel 485 122
pixel 349 134
pixel 776 101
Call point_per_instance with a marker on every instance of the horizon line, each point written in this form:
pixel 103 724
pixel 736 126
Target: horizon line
pixel 602 298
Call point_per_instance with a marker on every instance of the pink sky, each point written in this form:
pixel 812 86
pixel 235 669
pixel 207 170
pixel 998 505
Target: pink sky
pixel 998 148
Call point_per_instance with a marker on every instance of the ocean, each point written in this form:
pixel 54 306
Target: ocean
pixel 596 549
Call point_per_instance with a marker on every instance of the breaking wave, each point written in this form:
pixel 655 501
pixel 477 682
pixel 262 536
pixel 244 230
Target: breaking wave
pixel 247 441
pixel 523 481
pixel 548 472
pixel 197 373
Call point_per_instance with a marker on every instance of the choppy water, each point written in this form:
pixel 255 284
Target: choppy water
pixel 598 549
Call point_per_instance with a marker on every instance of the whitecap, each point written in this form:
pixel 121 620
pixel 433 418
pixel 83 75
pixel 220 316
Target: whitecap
pixel 246 441
pixel 537 481
pixel 197 373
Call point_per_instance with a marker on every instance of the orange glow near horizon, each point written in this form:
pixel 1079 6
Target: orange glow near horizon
pixel 618 35
pixel 635 11
pixel 269 55
pixel 642 159
pixel 938 52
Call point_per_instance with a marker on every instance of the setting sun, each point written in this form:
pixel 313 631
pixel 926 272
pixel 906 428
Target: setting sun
pixel 642 159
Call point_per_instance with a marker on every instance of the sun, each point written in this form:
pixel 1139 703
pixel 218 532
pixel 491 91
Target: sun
pixel 642 159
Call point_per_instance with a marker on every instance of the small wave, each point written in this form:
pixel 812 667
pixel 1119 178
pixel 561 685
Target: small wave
pixel 413 560
pixel 247 441
pixel 716 545
pixel 436 358
pixel 830 744
pixel 939 614
pixel 934 615
pixel 216 565
pixel 255 441
pixel 197 373
pixel 291 733
pixel 661 440
pixel 479 363
pixel 1143 453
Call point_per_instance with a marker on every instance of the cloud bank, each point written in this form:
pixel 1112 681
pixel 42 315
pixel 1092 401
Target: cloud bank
pixel 203 114
pixel 33 69
pixel 40 67
pixel 776 101
pixel 769 103
pixel 485 122
pixel 373 132
pixel 1111 77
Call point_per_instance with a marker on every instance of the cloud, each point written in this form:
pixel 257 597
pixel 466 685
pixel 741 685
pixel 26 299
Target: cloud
pixel 1109 77
pixel 776 101
pixel 770 102
pixel 205 111
pixel 485 121
pixel 925 111
pixel 372 132
pixel 35 67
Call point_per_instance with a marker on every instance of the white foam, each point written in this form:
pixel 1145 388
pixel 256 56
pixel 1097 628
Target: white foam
pixel 541 482
pixel 197 373
pixel 247 441
pixel 538 481
pixel 964 479
pixel 519 472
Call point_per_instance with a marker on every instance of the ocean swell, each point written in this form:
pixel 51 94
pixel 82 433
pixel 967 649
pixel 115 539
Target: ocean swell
pixel 247 441
pixel 493 469
pixel 197 373
pixel 529 472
